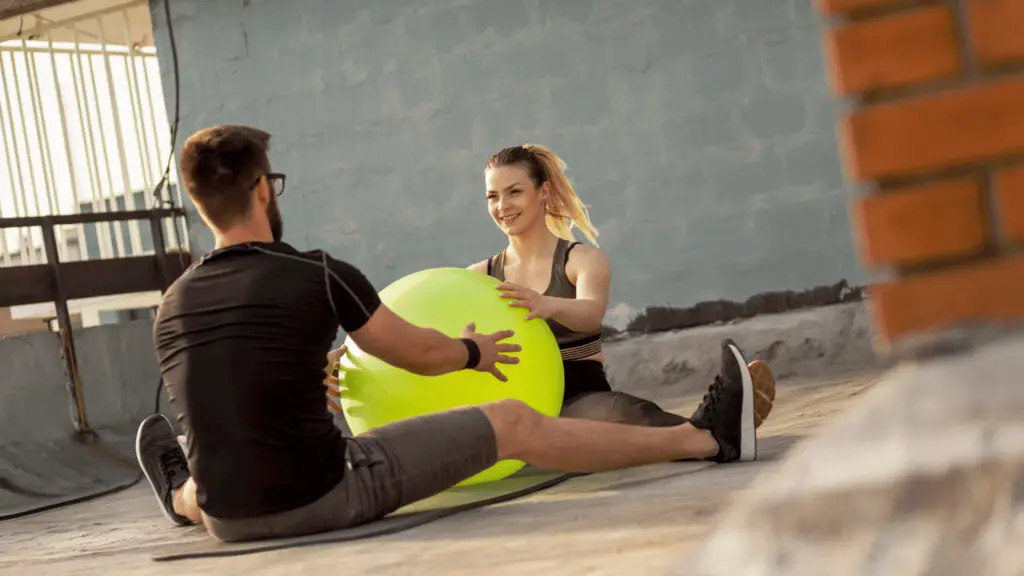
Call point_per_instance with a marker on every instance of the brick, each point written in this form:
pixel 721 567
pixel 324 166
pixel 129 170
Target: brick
pixel 988 292
pixel 934 132
pixel 921 223
pixel 900 50
pixel 997 30
pixel 1009 198
pixel 849 6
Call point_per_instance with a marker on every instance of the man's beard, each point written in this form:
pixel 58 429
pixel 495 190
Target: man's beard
pixel 274 218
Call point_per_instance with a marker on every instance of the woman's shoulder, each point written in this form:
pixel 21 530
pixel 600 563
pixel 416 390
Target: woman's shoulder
pixel 584 257
pixel 480 266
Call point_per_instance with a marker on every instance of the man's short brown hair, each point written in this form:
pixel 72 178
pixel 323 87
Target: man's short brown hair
pixel 219 165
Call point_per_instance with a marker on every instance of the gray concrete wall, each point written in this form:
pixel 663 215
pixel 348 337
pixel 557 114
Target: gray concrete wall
pixel 119 375
pixel 700 132
pixel 802 344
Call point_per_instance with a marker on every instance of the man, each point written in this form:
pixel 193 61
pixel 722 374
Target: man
pixel 241 339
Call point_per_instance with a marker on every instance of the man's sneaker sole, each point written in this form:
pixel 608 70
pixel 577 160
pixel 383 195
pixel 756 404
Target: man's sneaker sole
pixel 764 390
pixel 748 434
pixel 138 456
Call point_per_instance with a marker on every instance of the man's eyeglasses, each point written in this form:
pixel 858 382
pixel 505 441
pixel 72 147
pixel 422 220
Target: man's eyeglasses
pixel 274 180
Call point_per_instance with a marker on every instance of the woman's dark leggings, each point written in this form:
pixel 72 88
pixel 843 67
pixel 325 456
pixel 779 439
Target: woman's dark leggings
pixel 588 395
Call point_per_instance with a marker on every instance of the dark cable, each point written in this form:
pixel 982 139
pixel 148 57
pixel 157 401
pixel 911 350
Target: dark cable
pixel 170 159
pixel 177 108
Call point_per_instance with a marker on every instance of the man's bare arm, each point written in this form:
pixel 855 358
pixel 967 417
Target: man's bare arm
pixel 402 344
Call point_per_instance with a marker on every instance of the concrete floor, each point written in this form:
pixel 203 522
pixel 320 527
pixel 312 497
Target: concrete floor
pixel 641 520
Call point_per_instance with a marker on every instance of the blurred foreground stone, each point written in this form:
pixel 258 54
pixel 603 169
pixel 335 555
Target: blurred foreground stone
pixel 924 476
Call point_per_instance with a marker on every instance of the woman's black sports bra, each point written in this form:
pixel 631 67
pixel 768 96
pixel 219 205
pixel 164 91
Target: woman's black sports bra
pixel 573 345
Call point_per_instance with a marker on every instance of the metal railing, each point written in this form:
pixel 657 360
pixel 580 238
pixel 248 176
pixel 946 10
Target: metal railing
pixel 58 281
pixel 83 128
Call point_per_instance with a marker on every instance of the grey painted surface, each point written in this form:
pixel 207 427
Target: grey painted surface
pixel 42 463
pixel 700 132
pixel 818 343
pixel 33 397
pixel 119 374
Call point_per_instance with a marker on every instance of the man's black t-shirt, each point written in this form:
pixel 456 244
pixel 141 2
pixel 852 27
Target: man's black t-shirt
pixel 242 339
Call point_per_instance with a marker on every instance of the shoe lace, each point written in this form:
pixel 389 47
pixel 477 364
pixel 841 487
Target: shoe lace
pixel 711 397
pixel 171 463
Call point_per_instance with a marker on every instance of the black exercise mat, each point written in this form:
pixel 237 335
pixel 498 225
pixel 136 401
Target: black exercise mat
pixel 453 501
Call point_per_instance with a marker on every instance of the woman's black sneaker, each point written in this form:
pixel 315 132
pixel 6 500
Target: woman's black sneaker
pixel 727 410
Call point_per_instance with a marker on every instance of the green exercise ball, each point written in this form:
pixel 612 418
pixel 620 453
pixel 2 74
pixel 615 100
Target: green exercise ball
pixel 374 393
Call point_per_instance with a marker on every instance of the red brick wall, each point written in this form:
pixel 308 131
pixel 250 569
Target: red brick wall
pixel 934 137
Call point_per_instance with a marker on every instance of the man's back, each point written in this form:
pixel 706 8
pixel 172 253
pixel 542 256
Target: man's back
pixel 241 339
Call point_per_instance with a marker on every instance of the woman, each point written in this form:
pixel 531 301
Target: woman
pixel 567 283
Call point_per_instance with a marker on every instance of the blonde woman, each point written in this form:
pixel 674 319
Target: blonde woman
pixel 566 283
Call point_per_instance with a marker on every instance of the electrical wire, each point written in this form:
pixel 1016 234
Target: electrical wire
pixel 165 180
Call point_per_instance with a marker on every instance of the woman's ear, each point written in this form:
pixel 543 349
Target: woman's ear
pixel 545 192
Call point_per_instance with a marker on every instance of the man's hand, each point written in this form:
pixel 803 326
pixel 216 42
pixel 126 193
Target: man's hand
pixel 331 381
pixel 491 352
pixel 536 304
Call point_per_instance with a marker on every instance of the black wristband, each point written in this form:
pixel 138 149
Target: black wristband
pixel 474 353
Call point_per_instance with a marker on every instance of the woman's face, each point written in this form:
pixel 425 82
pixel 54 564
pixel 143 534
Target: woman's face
pixel 514 203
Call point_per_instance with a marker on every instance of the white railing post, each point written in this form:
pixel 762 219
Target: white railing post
pixel 72 173
pixel 118 234
pixel 104 237
pixel 24 235
pixel 129 198
pixel 43 141
pixel 8 145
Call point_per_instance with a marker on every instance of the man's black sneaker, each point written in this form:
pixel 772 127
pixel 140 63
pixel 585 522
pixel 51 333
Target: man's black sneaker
pixel 163 461
pixel 727 410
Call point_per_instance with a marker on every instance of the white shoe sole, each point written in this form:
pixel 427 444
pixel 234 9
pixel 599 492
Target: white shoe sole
pixel 748 428
pixel 138 456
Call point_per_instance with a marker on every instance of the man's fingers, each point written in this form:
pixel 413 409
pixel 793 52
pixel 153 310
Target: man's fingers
pixel 497 374
pixel 503 359
pixel 502 335
pixel 509 347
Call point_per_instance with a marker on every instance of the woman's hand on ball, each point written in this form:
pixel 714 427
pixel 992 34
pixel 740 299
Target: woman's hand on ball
pixel 537 304
pixel 492 351
pixel 331 380
pixel 334 356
